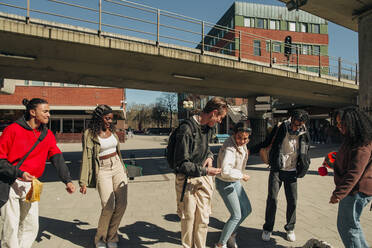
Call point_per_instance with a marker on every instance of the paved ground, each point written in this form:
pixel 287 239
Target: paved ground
pixel 151 221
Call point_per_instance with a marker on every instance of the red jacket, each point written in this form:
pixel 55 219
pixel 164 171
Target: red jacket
pixel 18 138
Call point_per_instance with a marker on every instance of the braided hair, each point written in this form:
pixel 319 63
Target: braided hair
pixel 97 123
pixel 357 124
pixel 31 104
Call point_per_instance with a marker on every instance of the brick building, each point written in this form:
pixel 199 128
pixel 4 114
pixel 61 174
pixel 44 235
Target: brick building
pixel 248 29
pixel 71 105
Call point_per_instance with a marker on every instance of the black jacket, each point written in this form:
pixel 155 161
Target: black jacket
pixel 191 149
pixel 303 161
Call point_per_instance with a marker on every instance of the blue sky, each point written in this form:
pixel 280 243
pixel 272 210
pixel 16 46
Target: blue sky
pixel 342 42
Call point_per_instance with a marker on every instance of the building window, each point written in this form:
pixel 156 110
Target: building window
pixel 27 82
pixel 316 50
pixel 55 125
pixel 67 126
pixel 306 49
pixel 276 47
pixel 272 24
pixel 248 22
pixel 316 28
pixel 231 23
pixel 304 27
pixel 260 23
pixel 292 26
pixel 294 48
pixel 257 48
pixel 37 83
pixel 267 46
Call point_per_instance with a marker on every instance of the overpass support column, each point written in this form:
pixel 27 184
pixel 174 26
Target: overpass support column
pixel 365 61
pixel 258 123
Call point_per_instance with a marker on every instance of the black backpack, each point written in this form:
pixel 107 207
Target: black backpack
pixel 170 150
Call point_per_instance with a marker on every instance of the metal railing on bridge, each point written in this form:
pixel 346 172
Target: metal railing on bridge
pixel 141 21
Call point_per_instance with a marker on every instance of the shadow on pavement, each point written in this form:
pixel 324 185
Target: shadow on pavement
pixel 144 233
pixel 247 237
pixel 70 231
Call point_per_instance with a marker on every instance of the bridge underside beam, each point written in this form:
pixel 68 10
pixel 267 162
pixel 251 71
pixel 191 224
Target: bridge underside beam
pixel 58 55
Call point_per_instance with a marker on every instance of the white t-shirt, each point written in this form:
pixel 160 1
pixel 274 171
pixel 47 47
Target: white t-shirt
pixel 289 152
pixel 108 145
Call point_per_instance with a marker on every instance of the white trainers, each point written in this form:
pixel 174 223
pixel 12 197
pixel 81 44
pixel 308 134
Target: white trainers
pixel 231 242
pixel 291 236
pixel 266 235
pixel 101 244
pixel 112 245
pixel 223 246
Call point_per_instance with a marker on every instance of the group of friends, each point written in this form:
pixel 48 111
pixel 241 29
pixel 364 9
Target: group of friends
pixel 195 176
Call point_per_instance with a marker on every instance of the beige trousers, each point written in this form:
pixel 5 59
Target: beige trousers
pixel 195 209
pixel 20 218
pixel 112 185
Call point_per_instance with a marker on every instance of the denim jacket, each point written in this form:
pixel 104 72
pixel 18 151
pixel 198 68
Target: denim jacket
pixel 90 159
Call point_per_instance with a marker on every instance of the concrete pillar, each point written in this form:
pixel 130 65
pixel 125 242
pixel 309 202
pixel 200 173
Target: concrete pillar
pixel 365 61
pixel 258 123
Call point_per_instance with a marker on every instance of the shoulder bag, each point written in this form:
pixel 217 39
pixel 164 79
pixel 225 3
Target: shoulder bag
pixel 6 182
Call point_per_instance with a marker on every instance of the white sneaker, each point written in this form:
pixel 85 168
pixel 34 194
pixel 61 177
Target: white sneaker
pixel 101 244
pixel 223 246
pixel 231 242
pixel 266 235
pixel 291 236
pixel 112 245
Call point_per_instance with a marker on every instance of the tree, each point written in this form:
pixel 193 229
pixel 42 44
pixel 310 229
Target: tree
pixel 159 114
pixel 138 115
pixel 169 101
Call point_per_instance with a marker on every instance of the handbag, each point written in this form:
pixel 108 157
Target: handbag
pixel 6 182
pixel 265 151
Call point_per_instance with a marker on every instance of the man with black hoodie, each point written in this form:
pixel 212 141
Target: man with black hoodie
pixel 20 218
pixel 288 160
pixel 194 171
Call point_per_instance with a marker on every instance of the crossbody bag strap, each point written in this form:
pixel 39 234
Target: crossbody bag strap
pixel 41 137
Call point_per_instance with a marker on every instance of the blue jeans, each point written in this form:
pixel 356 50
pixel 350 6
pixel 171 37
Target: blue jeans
pixel 237 203
pixel 349 210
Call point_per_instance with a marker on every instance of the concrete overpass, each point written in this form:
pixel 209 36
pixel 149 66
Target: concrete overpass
pixel 355 15
pixel 47 51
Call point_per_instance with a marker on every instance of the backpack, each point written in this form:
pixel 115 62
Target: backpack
pixel 170 150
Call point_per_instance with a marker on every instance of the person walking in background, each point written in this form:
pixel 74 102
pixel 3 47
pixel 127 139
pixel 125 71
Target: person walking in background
pixel 232 159
pixel 194 171
pixel 21 218
pixel 102 167
pixel 353 174
pixel 289 159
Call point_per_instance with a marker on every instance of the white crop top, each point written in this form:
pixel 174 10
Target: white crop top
pixel 108 145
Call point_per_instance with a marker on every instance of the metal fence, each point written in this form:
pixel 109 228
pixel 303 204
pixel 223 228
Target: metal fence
pixel 141 21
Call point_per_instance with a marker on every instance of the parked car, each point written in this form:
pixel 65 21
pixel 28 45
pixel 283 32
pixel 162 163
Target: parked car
pixel 158 131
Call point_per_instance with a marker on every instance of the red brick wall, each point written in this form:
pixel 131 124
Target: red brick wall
pixel 279 35
pixel 66 96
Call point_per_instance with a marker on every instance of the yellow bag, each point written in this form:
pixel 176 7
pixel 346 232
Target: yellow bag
pixel 35 191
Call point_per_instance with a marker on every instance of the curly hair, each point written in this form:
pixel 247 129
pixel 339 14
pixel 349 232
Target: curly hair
pixel 300 115
pixel 357 124
pixel 97 124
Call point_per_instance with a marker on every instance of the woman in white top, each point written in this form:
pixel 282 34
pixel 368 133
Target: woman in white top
pixel 232 159
pixel 103 168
